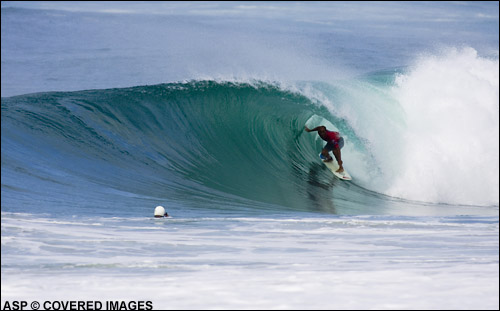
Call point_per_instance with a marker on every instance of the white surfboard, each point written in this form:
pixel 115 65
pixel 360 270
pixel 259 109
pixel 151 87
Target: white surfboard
pixel 333 166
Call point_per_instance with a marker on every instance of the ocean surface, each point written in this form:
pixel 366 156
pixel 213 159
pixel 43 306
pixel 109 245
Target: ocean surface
pixel 112 108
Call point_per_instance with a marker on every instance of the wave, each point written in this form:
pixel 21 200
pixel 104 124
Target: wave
pixel 200 139
pixel 219 141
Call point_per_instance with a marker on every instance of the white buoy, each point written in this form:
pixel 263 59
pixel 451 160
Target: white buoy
pixel 160 211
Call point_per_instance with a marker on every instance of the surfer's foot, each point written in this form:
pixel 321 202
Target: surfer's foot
pixel 340 170
pixel 328 160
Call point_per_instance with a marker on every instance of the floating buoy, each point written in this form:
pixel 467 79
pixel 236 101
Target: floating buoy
pixel 160 212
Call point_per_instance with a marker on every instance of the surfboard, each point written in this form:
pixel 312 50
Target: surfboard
pixel 333 166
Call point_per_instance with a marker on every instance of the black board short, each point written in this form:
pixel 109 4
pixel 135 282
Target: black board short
pixel 331 144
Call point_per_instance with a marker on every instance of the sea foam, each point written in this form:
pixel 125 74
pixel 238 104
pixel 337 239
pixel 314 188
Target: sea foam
pixel 450 151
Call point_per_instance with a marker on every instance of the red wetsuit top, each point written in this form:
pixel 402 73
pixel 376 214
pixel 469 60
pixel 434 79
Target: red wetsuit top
pixel 331 136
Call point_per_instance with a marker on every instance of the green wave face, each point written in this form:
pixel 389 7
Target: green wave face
pixel 199 142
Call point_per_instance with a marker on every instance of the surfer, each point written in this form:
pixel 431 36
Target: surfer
pixel 334 142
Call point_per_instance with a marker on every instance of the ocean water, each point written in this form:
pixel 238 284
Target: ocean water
pixel 110 109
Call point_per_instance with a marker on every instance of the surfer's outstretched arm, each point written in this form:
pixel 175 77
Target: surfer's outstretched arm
pixel 314 129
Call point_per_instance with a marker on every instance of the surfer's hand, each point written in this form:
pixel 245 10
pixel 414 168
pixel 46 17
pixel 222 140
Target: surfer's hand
pixel 307 130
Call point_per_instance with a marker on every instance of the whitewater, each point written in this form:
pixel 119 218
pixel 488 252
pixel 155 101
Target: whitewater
pixel 111 109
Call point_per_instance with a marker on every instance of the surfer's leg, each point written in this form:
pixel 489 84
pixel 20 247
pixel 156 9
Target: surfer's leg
pixel 326 155
pixel 338 157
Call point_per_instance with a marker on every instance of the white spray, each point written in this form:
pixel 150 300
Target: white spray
pixel 451 143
